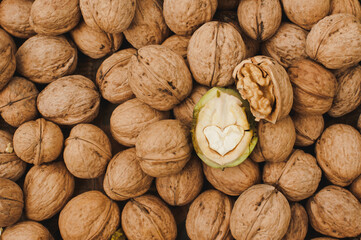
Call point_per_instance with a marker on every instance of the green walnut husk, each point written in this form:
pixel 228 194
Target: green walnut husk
pixel 223 130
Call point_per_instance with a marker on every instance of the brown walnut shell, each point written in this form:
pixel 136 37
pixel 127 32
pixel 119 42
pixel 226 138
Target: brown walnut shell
pixel 346 6
pixel 355 188
pixel 11 202
pixel 308 128
pixel 298 227
pixel 7 56
pixel 69 100
pixel 335 212
pixel 148 217
pixel 178 44
pixel 28 230
pixel 228 4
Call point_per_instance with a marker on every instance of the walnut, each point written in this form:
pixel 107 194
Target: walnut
pixel 130 118
pixel 148 217
pixel 266 86
pixel 308 128
pixel 69 100
pixel 164 148
pixel 27 230
pixel 254 213
pixel 335 41
pixel 355 188
pixel 228 4
pixel 89 215
pixel 178 44
pixel 87 151
pixel 338 152
pixel 209 216
pixel 11 202
pixel 359 123
pixel 18 101
pixel 335 212
pixel 159 77
pixel 14 17
pixel 314 87
pixel 298 227
pixel 7 54
pixel 182 188
pixel 259 20
pixel 184 17
pixel 298 178
pixel 214 50
pixel 234 180
pixel 346 6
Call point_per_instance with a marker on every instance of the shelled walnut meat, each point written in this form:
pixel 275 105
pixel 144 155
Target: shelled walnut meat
pixel 346 6
pixel 7 56
pixel 355 188
pixel 27 230
pixel 298 227
pixel 308 128
pixel 11 202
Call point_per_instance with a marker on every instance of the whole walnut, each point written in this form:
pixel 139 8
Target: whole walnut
pixel 259 19
pixel 164 147
pixel 338 152
pixel 335 212
pixel 287 45
pixel 11 166
pixel 228 4
pixel 178 44
pixel 69 100
pixel 107 15
pixel 234 180
pixel 7 56
pixel 124 178
pixel 47 188
pixel 355 188
pixel 254 213
pixel 14 17
pixel 298 227
pixel 11 202
pixel 89 215
pixel 214 50
pixel 275 141
pixel 54 17
pixel 38 142
pixel 182 188
pixel 159 77
pixel 335 41
pixel 130 118
pixel 87 151
pixel 308 128
pixel 314 87
pixel 27 230
pixel 297 178
pixel 43 59
pixel 184 17
pixel 209 216
pixel 148 217
pixel 18 101
pixel 346 6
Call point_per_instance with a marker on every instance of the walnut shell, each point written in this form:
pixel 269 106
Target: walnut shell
pixel 214 50
pixel 254 213
pixel 259 19
pixel 89 215
pixel 148 217
pixel 228 4
pixel 182 188
pixel 335 212
pixel 335 41
pixel 298 178
pixel 7 56
pixel 18 101
pixel 69 100
pixel 355 188
pixel 308 128
pixel 178 44
pixel 54 17
pixel 94 43
pixel 209 216
pixel 130 118
pixel 47 188
pixel 159 77
pixel 184 17
pixel 87 151
pixel 338 152
pixel 346 6
pixel 27 230
pixel 164 147
pixel 14 17
pixel 124 178
pixel 11 202
pixel 298 227
pixel 38 142
pixel 107 15
pixel 234 180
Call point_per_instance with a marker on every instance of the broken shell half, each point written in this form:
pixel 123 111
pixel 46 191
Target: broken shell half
pixel 223 131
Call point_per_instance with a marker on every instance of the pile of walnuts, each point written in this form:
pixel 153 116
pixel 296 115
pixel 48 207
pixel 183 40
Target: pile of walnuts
pixel 96 104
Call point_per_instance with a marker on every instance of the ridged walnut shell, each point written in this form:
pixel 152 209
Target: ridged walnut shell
pixel 178 44
pixel 355 188
pixel 164 148
pixel 159 77
pixel 87 151
pixel 69 100
pixel 27 230
pixel 335 41
pixel 338 153
pixel 208 216
pixel 7 56
pixel 308 128
pixel 298 227
pixel 130 118
pixel 214 50
pixel 346 6
pixel 335 212
pixel 47 188
pixel 11 202
pixel 261 212
pixel 148 217
pixel 124 178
